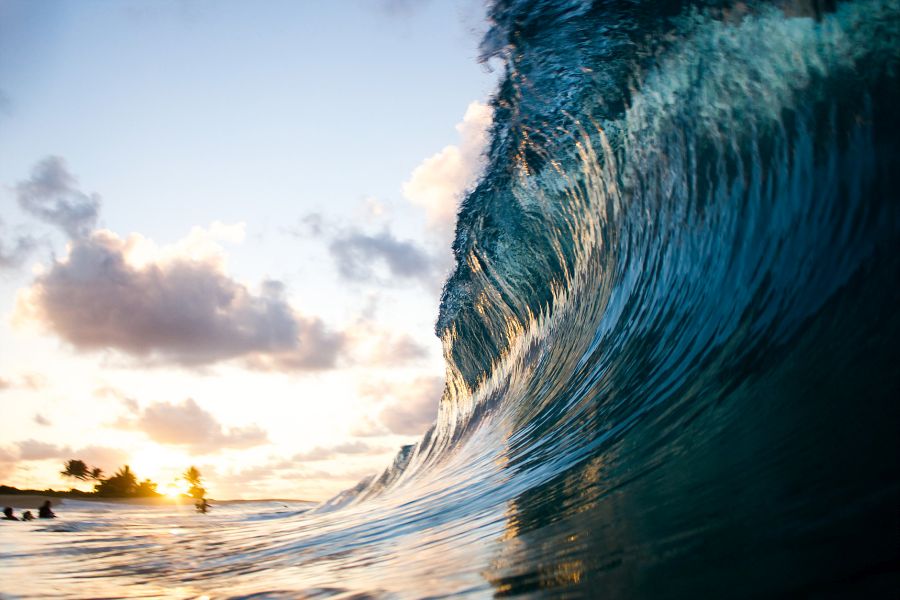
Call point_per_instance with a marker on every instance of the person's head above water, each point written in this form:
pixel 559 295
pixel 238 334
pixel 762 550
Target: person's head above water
pixel 8 513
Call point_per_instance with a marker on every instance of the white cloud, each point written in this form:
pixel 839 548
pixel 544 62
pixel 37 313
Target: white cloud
pixel 438 184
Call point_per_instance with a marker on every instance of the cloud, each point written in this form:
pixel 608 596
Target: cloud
pixel 320 453
pixel 42 420
pixel 353 476
pixel 310 225
pixel 369 427
pixel 357 254
pixel 397 350
pixel 401 8
pixel 373 208
pixel 51 195
pixel 26 381
pixel 314 223
pixel 14 253
pixel 437 186
pixel 279 479
pixel 318 348
pixel 32 381
pixel 108 459
pixel 411 407
pixel 416 408
pixel 173 304
pixel 188 424
pixel 99 456
pixel 37 450
pixel 374 346
pixel 439 182
pixel 381 258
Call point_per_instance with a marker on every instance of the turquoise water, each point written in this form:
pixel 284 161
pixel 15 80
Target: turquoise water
pixel 670 337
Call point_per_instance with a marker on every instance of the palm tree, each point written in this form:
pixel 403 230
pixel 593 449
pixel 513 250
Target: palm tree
pixel 195 479
pixel 121 485
pixel 77 469
pixel 146 488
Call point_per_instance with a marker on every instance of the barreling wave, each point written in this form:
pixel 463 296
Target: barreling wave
pixel 675 293
pixel 670 336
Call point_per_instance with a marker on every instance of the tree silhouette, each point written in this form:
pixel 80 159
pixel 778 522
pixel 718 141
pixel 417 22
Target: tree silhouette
pixel 120 485
pixel 146 488
pixel 195 479
pixel 123 484
pixel 77 469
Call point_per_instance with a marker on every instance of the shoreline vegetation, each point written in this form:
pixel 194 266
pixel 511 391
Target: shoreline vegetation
pixel 125 483
pixel 121 488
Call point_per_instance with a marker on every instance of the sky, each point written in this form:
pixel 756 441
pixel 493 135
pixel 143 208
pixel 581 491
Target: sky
pixel 224 227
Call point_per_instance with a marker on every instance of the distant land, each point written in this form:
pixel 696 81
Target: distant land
pixel 10 496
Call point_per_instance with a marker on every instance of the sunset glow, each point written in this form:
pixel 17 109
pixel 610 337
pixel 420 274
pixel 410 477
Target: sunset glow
pixel 176 489
pixel 258 303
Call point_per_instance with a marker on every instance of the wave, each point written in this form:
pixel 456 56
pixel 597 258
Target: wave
pixel 670 336
pixel 671 329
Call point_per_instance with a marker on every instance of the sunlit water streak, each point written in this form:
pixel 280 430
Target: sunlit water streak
pixel 671 339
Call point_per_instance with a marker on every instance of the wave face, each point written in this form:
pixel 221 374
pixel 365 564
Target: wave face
pixel 675 306
pixel 671 334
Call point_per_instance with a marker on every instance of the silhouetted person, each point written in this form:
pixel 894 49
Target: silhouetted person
pixel 201 505
pixel 27 516
pixel 44 511
pixel 8 514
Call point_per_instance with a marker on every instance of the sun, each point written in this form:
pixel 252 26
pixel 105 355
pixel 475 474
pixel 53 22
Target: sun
pixel 177 488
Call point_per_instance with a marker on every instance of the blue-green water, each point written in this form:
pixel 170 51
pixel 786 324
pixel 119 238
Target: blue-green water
pixel 671 338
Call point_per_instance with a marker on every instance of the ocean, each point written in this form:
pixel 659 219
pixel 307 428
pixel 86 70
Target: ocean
pixel 671 340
